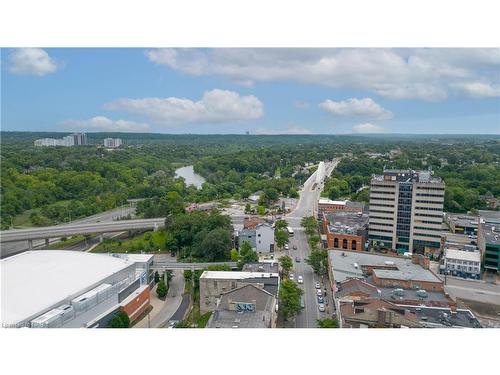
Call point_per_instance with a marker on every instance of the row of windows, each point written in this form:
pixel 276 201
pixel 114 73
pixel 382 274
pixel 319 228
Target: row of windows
pixel 428 208
pixel 427 215
pixel 382 192
pixel 427 228
pixel 430 188
pixel 430 195
pixel 381 199
pixel 459 261
pixel 427 235
pixel 430 222
pixel 381 230
pixel 382 211
pixel 380 217
pixel 381 205
pixel 378 237
pixel 424 201
pixel 382 224
pixel 383 186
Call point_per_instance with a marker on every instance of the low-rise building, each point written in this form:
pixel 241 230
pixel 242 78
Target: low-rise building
pixel 345 230
pixel 444 317
pixel 251 222
pixel 326 205
pixel 261 238
pixel 383 270
pixel 270 266
pixel 214 283
pixel 247 306
pixel 70 289
pixel 462 224
pixel 461 260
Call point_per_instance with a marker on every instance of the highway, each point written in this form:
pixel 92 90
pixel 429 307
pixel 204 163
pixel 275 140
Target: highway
pixel 11 248
pixel 306 206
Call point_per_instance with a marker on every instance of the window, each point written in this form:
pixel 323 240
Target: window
pixel 353 245
pixel 344 244
pixel 335 242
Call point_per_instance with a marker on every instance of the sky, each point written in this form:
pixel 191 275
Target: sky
pixel 262 91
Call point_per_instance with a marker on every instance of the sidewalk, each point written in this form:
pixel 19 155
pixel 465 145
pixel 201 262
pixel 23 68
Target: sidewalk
pixel 163 310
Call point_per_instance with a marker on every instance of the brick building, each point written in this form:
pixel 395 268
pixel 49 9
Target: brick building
pixel 345 230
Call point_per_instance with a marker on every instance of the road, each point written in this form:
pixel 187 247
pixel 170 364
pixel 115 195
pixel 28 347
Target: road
pixel 306 206
pixel 11 248
pixel 473 290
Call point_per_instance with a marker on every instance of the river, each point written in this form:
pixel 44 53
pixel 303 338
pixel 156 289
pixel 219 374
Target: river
pixel 190 177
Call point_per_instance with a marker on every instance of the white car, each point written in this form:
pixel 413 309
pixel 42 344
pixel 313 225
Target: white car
pixel 287 247
pixel 300 280
pixel 317 286
pixel 291 277
pixel 321 307
pixel 319 292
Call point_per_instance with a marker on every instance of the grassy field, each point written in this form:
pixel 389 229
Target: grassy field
pixel 67 242
pixel 148 242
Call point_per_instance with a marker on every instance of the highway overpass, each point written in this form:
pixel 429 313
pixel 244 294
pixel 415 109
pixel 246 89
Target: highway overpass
pixel 188 266
pixel 46 233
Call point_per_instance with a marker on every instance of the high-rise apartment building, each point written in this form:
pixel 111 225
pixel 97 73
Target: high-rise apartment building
pixel 406 210
pixel 112 142
pixel 80 139
pixel 76 139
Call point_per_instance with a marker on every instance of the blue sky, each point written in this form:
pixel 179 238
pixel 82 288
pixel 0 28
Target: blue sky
pixel 263 91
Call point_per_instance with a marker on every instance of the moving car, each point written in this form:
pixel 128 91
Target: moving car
pixel 300 280
pixel 295 247
pixel 297 259
pixel 317 286
pixel 321 307
pixel 302 303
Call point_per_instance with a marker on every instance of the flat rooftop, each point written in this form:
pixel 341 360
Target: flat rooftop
pixel 438 316
pixel 346 222
pixel 470 256
pixel 491 232
pixel 236 275
pixel 329 201
pixel 34 281
pixel 267 267
pixel 462 220
pixel 401 175
pixel 347 264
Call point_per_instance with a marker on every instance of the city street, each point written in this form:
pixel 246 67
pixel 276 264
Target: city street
pixel 307 206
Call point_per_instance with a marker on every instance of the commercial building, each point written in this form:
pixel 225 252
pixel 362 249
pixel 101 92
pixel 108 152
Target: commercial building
pixel 406 211
pixel 461 260
pixel 382 271
pixel 112 142
pixel 488 241
pixel 345 230
pixel 75 139
pixel 214 283
pixel 326 205
pixel 261 238
pixel 247 306
pixel 462 224
pixel 70 289
pixel 444 317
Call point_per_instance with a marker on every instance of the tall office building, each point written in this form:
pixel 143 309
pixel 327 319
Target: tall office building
pixel 406 210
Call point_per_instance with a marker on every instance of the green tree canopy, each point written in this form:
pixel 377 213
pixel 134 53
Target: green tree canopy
pixel 286 264
pixel 289 299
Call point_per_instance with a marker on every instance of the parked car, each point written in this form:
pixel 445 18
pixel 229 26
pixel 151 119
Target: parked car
pixel 300 280
pixel 319 292
pixel 317 286
pixel 297 259
pixel 321 299
pixel 295 247
pixel 302 303
pixel 291 277
pixel 321 307
pixel 287 247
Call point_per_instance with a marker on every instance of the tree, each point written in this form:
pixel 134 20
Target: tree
pixel 248 208
pixel 261 210
pixel 318 260
pixel 120 320
pixel 328 323
pixel 286 264
pixel 157 277
pixel 281 237
pixel 280 224
pixel 215 245
pixel 310 225
pixel 183 324
pixel 168 276
pixel 161 289
pixel 235 256
pixel 313 241
pixel 289 299
pixel 247 254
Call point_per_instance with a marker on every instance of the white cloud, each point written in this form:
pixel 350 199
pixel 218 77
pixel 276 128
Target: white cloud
pixel 356 108
pixel 104 124
pixel 216 106
pixel 426 74
pixel 478 89
pixel 31 61
pixel 292 129
pixel 367 128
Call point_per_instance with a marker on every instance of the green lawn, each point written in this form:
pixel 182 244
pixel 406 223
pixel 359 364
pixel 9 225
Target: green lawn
pixel 148 242
pixel 68 242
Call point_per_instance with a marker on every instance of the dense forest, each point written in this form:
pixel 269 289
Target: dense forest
pixel 49 185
